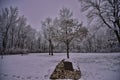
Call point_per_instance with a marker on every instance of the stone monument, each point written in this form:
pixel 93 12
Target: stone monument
pixel 64 70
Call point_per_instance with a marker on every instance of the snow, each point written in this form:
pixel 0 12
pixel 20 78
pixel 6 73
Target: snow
pixel 93 66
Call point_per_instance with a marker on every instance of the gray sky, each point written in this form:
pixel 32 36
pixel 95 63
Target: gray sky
pixel 37 10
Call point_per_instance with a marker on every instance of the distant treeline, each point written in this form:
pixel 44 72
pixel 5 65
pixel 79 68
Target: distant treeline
pixel 64 33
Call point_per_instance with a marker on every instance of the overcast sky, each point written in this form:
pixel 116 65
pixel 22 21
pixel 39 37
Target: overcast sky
pixel 37 10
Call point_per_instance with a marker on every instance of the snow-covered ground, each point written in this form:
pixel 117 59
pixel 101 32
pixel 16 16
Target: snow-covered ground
pixel 96 66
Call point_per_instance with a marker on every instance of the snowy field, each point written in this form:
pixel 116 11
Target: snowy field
pixel 40 66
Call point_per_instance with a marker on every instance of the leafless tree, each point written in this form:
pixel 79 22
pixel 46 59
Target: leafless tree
pixel 8 18
pixel 47 31
pixel 104 12
pixel 69 29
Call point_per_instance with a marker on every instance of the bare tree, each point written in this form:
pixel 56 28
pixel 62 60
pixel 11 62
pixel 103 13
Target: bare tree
pixel 15 33
pixel 104 12
pixel 69 29
pixel 8 18
pixel 47 31
pixel 20 32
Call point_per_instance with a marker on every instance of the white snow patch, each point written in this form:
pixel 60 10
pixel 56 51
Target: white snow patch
pixel 93 66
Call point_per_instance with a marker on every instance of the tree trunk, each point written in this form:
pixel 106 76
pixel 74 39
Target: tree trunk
pixel 2 54
pixel 67 45
pixel 117 35
pixel 51 49
pixel 12 38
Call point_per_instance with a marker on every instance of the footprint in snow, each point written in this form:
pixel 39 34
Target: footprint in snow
pixel 36 77
pixel 18 76
pixel 13 75
pixel 22 78
pixel 29 77
pixel 5 74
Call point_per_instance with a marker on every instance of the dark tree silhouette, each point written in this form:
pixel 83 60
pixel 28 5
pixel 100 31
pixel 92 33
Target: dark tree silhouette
pixel 106 12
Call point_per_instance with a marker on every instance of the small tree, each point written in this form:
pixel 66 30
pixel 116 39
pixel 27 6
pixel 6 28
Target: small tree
pixel 68 29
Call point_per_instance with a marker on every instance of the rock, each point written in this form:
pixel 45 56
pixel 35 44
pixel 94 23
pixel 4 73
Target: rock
pixel 64 70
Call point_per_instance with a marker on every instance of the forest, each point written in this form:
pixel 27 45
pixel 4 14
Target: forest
pixel 63 33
